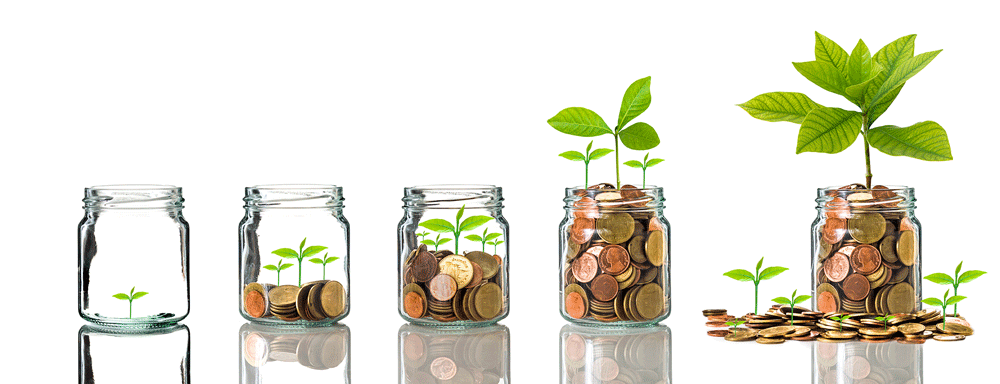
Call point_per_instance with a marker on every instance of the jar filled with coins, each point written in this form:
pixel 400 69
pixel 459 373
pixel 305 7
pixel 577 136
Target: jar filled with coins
pixel 614 256
pixel 133 256
pixel 463 355
pixel 594 355
pixel 294 255
pixel 866 251
pixel 453 256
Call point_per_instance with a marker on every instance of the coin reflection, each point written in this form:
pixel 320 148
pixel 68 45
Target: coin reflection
pixel 593 355
pixel 114 355
pixel 295 354
pixel 473 356
pixel 860 362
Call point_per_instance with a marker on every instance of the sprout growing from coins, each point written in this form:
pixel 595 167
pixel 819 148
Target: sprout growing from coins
pixel 943 279
pixel 885 321
pixel 132 295
pixel 870 82
pixel 278 268
pixel 645 163
pixel 583 122
pixel 495 243
pixel 943 304
pixel 745 275
pixel 436 242
pixel 324 261
pixel 790 302
pixel 303 252
pixel 443 226
pixel 484 238
pixel 735 323
pixel 586 157
pixel 422 235
pixel 840 320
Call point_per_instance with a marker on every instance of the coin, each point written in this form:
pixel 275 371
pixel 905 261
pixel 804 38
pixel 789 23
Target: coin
pixel 637 248
pixel 613 259
pixel 714 312
pixel 834 230
pixel 906 247
pixel 414 305
pixel 887 247
pixel 827 298
pixel 779 331
pixel 878 331
pixel 424 267
pixel 582 230
pixel 477 275
pixel 605 369
pixel 443 368
pixel 900 298
pixel 585 268
pixel 741 336
pixel 604 287
pixel 615 227
pixel 718 332
pixel 856 287
pixel 866 227
pixel 837 267
pixel 458 267
pixel 949 337
pixel 865 259
pixel 955 329
pixel 283 295
pixel 486 262
pixel 576 306
pixel 649 301
pixel 489 300
pixel 768 340
pixel 333 298
pixel 315 302
pixel 442 287
pixel 253 301
pixel 656 247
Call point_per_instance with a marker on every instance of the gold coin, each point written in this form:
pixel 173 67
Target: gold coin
pixel 489 300
pixel 572 250
pixel 769 340
pixel 637 249
pixel 906 247
pixel 458 267
pixel 315 302
pixel 839 334
pixel 616 227
pixel 283 296
pixel 779 331
pixel 912 328
pixel 486 262
pixel 656 247
pixel 878 331
pixel 949 337
pixel 740 336
pixel 900 298
pixel 955 329
pixel 887 247
pixel 649 301
pixel 334 298
pixel 866 228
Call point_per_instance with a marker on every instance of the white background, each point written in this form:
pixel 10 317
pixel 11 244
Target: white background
pixel 214 96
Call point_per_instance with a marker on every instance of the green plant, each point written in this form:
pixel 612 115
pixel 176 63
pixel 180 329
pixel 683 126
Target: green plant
pixel 422 235
pixel 790 302
pixel 944 279
pixel 885 320
pixel 278 268
pixel 132 295
pixel 324 261
pixel 289 253
pixel 495 243
pixel 586 157
pixel 870 82
pixel 840 320
pixel 645 163
pixel 436 242
pixel 944 303
pixel 484 238
pixel 583 122
pixel 745 275
pixel 735 323
pixel 443 226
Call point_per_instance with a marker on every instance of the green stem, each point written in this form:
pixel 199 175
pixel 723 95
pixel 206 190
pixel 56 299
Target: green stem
pixel 300 271
pixel 868 158
pixel 618 179
pixel 324 271
pixel 955 310
pixel 586 174
pixel 643 178
pixel 755 297
pixel 129 308
pixel 456 237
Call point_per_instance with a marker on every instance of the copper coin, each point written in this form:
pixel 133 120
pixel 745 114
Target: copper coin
pixel 425 267
pixel 442 287
pixel 614 259
pixel 586 208
pixel 443 368
pixel 585 268
pixel 722 318
pixel 718 332
pixel 477 276
pixel 834 230
pixel 838 208
pixel 857 367
pixel 911 341
pixel 575 306
pixel 604 287
pixel 826 302
pixel 837 267
pixel 582 230
pixel 865 259
pixel 254 304
pixel 715 324
pixel 413 304
pixel 576 347
pixel 605 369
pixel 856 287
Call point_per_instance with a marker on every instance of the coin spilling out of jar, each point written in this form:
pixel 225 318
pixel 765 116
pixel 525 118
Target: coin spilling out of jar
pixel 313 301
pixel 615 256
pixel 866 251
pixel 450 287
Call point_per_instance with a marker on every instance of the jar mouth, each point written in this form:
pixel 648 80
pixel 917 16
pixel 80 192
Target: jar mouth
pixel 294 196
pixel 133 196
pixel 879 197
pixel 619 199
pixel 453 196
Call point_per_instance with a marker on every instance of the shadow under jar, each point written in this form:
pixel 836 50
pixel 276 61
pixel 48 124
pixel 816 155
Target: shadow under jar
pixel 133 256
pixel 614 257
pixel 866 250
pixel 294 255
pixel 453 265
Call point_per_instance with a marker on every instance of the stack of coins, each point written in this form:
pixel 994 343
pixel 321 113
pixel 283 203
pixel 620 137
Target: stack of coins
pixel 891 363
pixel 865 249
pixel 637 358
pixel 615 252
pixel 782 315
pixel 479 357
pixel 320 350
pixel 717 318
pixel 449 287
pixel 313 301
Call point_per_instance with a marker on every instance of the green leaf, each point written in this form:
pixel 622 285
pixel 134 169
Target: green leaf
pixel 285 266
pixel 599 153
pixel 653 162
pixel 492 236
pixel 438 225
pixel 302 244
pixel 637 98
pixel 760 263
pixel 782 300
pixel 458 216
pixel 579 121
pixel 958 268
pixel 331 259
pixel 828 130
pixel 901 73
pixel 639 137
pixel 771 272
pixel 498 242
pixel 858 91
pixel 428 242
pixel 888 57
pixel 132 291
pixel 473 222
pixel 739 275
pixel 830 52
pixel 270 267
pixel 940 278
pixel 313 250
pixel 823 74
pixel 139 294
pixel 633 164
pixel 969 276
pixel 780 106
pixel 896 52
pixel 316 261
pixel 801 298
pixel 120 296
pixel 442 241
pixel 287 253
pixel 933 301
pixel 474 238
pixel 925 140
pixel 573 155
pixel 954 300
pixel 859 64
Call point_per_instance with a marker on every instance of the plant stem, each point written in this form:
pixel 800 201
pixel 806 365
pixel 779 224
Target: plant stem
pixel 644 178
pixel 324 271
pixel 618 179
pixel 955 310
pixel 868 158
pixel 129 308
pixel 586 174
pixel 755 298
pixel 300 272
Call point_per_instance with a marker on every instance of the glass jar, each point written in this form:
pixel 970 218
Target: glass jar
pixel 471 355
pixel 297 228
pixel 594 355
pixel 860 362
pixel 133 256
pixel 135 355
pixel 453 256
pixel 614 256
pixel 295 355
pixel 866 251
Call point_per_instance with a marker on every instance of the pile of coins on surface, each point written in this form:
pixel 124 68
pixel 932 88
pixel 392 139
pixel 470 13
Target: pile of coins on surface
pixel 891 363
pixel 615 257
pixel 449 287
pixel 481 357
pixel 321 350
pixel 313 301
pixel 865 253
pixel 640 358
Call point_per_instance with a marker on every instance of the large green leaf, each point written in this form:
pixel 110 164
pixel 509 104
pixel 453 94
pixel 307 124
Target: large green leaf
pixel 139 294
pixel 954 300
pixel 573 155
pixel 830 52
pixel 925 141
pixel 858 91
pixel 782 300
pixel 780 106
pixel 313 250
pixel 823 74
pixel 828 130
pixel 599 153
pixel 438 225
pixel 940 278
pixel 636 100
pixel 970 275
pixel 896 52
pixel 933 301
pixel 639 137
pixel 771 272
pixel 889 57
pixel 287 253
pixel 800 298
pixel 473 222
pixel 579 121
pixel 634 164
pixel 901 73
pixel 120 296
pixel 739 275
pixel 859 64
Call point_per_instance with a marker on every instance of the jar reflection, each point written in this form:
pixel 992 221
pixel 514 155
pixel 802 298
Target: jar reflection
pixel 473 356
pixel 634 355
pixel 860 362
pixel 156 355
pixel 286 355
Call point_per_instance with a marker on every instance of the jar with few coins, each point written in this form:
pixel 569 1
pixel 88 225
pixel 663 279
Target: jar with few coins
pixel 294 255
pixel 614 256
pixel 866 251
pixel 453 256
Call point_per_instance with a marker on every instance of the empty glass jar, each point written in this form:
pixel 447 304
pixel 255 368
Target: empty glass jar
pixel 294 255
pixel 133 256
pixel 453 261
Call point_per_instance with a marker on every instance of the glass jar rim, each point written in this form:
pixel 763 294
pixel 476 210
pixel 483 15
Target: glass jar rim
pixel 132 196
pixel 577 189
pixel 886 199
pixel 888 188
pixel 271 196
pixel 489 196
pixel 651 199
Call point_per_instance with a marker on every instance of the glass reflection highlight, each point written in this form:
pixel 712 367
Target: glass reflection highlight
pixel 277 354
pixel 591 355
pixel 155 355
pixel 864 363
pixel 473 356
